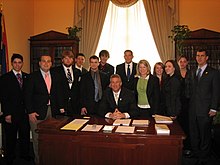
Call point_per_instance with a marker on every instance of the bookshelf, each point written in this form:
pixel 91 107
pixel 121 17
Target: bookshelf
pixel 52 43
pixel 206 38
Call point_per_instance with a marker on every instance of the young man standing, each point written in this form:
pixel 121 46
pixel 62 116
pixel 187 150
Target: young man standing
pixel 40 97
pixel 93 84
pixel 127 70
pixel 16 120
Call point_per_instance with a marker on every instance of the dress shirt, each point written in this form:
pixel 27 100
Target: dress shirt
pixel 80 68
pixel 44 73
pixel 49 76
pixel 202 70
pixel 15 72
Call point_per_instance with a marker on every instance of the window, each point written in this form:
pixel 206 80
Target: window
pixel 128 28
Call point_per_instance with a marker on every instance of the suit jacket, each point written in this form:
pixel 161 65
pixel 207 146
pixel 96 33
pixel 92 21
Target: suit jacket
pixel 171 92
pixel 205 94
pixel 87 90
pixel 120 69
pixel 108 68
pixel 153 93
pixel 37 96
pixel 84 70
pixel 12 96
pixel 65 94
pixel 126 103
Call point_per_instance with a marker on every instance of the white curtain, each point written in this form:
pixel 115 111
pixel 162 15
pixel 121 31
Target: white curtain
pixel 128 28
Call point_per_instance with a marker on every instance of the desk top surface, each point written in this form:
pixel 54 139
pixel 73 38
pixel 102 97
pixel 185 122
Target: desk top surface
pixel 53 125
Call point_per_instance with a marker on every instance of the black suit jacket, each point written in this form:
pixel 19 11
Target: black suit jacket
pixel 153 93
pixel 171 92
pixel 129 84
pixel 205 93
pixel 126 103
pixel 84 70
pixel 65 94
pixel 108 68
pixel 37 96
pixel 87 90
pixel 12 96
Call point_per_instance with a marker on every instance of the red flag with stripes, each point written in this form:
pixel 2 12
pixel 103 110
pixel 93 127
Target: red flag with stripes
pixel 4 67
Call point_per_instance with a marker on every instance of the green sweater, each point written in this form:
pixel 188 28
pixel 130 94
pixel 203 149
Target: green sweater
pixel 141 89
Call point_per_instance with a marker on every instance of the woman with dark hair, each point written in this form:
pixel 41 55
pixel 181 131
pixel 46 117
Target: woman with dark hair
pixel 171 90
pixel 184 98
pixel 159 72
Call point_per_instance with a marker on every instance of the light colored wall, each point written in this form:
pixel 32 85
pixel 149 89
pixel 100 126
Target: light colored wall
pixel 19 22
pixel 199 14
pixel 25 18
pixel 52 15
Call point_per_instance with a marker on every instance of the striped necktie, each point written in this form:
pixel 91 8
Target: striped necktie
pixel 69 77
pixel 20 80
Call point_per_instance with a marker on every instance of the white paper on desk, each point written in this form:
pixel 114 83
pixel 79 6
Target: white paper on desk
pixel 108 128
pixel 125 129
pixel 75 124
pixel 122 122
pixel 92 127
pixel 140 122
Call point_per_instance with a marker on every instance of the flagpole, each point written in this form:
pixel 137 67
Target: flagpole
pixel 1 114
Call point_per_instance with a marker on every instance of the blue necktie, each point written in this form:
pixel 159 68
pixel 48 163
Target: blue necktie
pixel 128 72
pixel 199 73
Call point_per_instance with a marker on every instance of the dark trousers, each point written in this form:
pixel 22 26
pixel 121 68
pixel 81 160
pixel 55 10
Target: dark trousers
pixel 144 112
pixel 21 127
pixel 183 120
pixel 200 133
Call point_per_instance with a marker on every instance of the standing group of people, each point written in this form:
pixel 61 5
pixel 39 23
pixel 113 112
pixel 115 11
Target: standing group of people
pixel 191 97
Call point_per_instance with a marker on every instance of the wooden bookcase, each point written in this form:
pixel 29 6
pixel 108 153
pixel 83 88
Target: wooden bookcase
pixel 206 38
pixel 52 43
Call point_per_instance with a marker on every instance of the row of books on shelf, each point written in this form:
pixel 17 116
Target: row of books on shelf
pixel 123 125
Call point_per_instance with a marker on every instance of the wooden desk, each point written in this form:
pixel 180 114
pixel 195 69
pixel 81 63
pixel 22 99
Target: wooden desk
pixel 58 147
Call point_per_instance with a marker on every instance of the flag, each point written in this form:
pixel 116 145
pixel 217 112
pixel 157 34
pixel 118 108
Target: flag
pixel 4 48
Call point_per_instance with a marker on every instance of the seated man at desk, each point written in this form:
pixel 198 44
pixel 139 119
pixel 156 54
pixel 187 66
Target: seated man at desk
pixel 118 102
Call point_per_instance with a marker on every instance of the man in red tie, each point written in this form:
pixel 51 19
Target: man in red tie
pixel 40 97
pixel 15 116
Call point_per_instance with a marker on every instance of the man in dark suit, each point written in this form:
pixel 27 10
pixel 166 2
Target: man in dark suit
pixel 127 70
pixel 16 121
pixel 92 85
pixel 103 65
pixel 203 105
pixel 40 97
pixel 118 102
pixel 68 91
pixel 79 61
